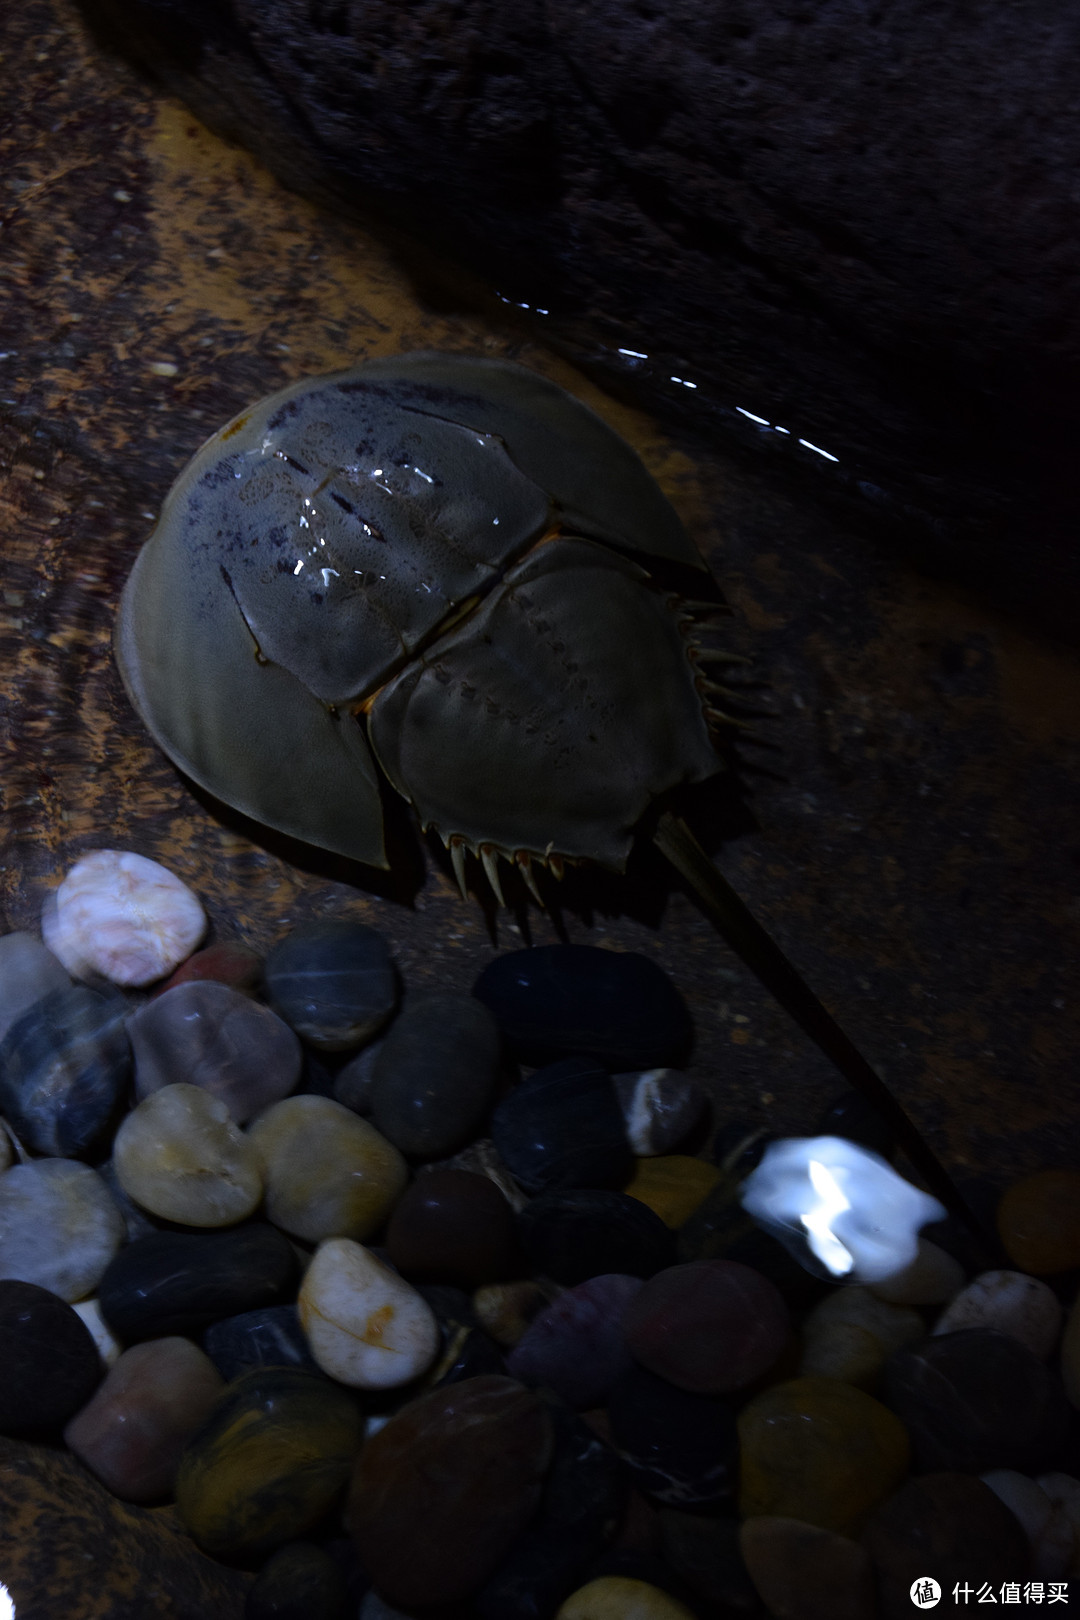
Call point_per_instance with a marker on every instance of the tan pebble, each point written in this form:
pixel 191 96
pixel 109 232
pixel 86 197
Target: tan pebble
pixel 327 1172
pixel 850 1333
pixel 122 916
pixel 181 1156
pixel 617 1597
pixel 673 1185
pixel 1011 1302
pixel 803 1572
pixel 504 1310
pixel 364 1325
pixel 932 1278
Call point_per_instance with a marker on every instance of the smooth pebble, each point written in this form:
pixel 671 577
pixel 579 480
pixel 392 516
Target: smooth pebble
pixel 932 1278
pixel 571 1236
pixel 270 1461
pixel 205 1034
pixel 681 1448
pixel 673 1185
pixel 452 1226
pixel 365 1325
pixel 1011 1302
pixel 618 1597
pixel 562 1127
pixel 28 973
pixel 134 1428
pixel 327 1172
pixel 181 1155
pixel 50 1361
pixel 108 1345
pixel 333 982
pixel 660 1107
pixel 63 1066
pixel 180 1282
pixel 270 1337
pixel 122 916
pixel 850 1333
pixel 228 962
pixel 577 1345
pixel 434 1075
pixel 1049 1533
pixel 59 1226
pixel 710 1326
pixel 1038 1221
pixel 803 1572
pixel 442 1491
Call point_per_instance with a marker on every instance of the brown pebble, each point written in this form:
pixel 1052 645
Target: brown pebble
pixel 504 1310
pixel 444 1489
pixel 226 963
pixel 452 1226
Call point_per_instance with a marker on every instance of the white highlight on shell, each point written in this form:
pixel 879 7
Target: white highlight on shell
pixel 839 1205
pixel 123 917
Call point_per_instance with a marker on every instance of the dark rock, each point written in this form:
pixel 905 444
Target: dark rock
pixel 851 1116
pixel 816 216
pixel 68 1548
pixel 558 1001
pixel 354 1082
pixel 563 1127
pixel 434 1074
pixel 332 982
pixel 228 962
pixel 299 1582
pixel 977 1400
pixel 711 1326
pixel 51 1363
pixel 270 1337
pixel 704 1552
pixel 452 1226
pixel 467 1351
pixel 806 1573
pixel 720 1229
pixel 577 1346
pixel 63 1066
pixel 270 1461
pixel 440 1493
pixel 951 1525
pixel 571 1236
pixel 172 1282
pixel 681 1448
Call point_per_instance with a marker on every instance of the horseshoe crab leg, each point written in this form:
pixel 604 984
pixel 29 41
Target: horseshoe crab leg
pixel 760 952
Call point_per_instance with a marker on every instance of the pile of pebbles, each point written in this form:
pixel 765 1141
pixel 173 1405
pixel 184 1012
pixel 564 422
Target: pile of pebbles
pixel 412 1306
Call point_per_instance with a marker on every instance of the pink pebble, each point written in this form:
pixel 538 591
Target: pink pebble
pixel 710 1326
pixel 123 917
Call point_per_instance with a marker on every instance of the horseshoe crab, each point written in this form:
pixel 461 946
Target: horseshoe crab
pixel 448 570
pixel 439 566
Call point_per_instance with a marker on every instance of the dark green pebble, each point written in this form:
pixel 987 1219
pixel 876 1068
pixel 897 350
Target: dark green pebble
pixel 300 1582
pixel 176 1282
pixel 681 1448
pixel 434 1075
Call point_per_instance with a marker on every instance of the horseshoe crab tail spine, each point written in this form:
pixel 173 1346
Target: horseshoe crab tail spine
pixel 457 855
pixel 760 952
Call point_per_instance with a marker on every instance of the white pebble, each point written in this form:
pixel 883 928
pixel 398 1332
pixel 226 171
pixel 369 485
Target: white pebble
pixel 1047 1529
pixel 123 917
pixel 1013 1303
pixel 365 1326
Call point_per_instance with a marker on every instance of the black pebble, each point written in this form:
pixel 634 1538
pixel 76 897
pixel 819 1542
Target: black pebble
pixel 333 982
pixel 435 1073
pixel 173 1282
pixel 681 1448
pixel 271 1337
pixel 50 1361
pixel 557 1001
pixel 563 1127
pixel 300 1582
pixel 977 1400
pixel 584 1498
pixel 571 1236
pixel 63 1066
